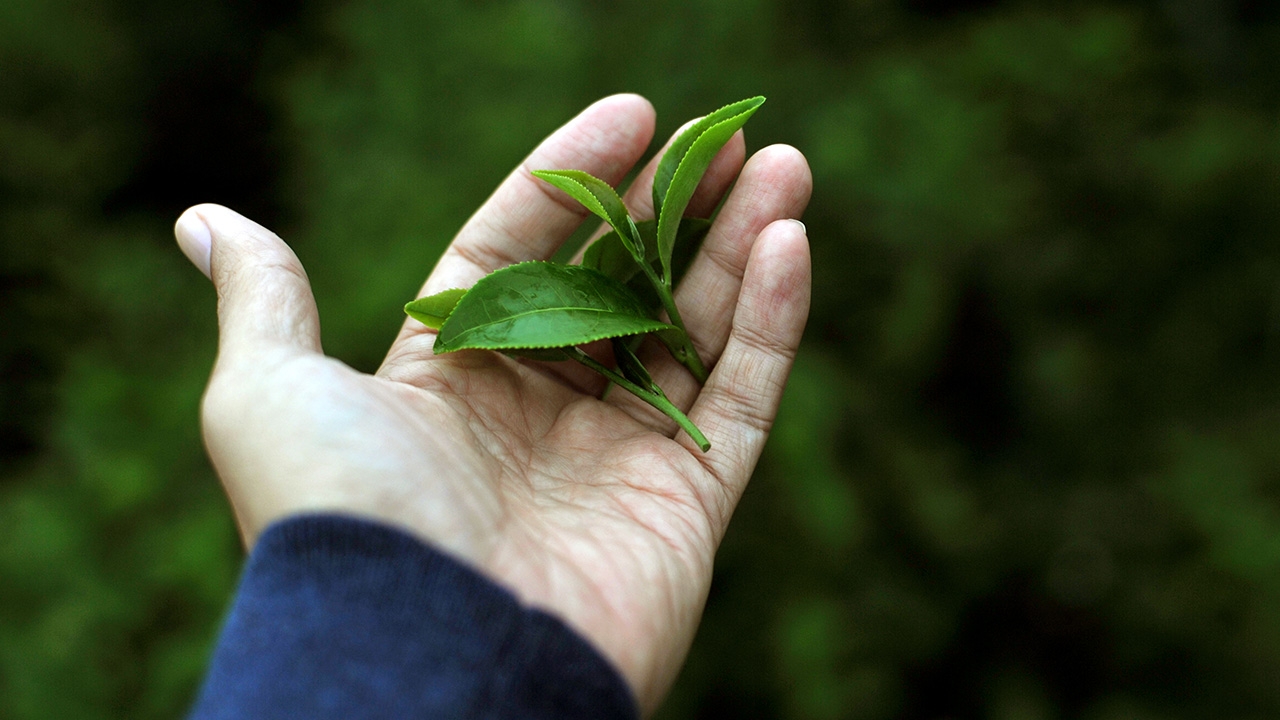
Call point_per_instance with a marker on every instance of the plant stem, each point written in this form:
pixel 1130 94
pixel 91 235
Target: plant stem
pixel 683 349
pixel 657 400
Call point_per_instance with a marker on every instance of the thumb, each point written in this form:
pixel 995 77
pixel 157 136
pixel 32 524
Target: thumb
pixel 264 297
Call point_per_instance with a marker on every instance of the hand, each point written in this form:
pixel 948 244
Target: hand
pixel 596 510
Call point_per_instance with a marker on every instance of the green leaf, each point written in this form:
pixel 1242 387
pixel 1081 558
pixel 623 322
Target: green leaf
pixel 608 256
pixel 680 146
pixel 684 164
pixel 543 305
pixel 632 369
pixel 611 257
pixel 433 310
pixel 597 196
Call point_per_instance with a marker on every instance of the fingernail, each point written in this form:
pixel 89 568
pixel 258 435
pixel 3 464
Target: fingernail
pixel 195 240
pixel 803 229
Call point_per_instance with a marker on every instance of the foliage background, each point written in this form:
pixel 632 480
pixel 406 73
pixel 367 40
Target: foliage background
pixel 1027 466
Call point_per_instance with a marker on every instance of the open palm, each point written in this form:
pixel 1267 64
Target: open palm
pixel 594 509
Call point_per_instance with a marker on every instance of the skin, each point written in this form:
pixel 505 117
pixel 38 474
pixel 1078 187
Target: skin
pixel 595 510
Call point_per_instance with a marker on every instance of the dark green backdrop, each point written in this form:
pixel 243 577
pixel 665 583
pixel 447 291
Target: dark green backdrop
pixel 1027 467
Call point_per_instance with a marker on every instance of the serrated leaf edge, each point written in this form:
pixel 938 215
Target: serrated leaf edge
pixel 665 248
pixel 658 202
pixel 634 244
pixel 658 326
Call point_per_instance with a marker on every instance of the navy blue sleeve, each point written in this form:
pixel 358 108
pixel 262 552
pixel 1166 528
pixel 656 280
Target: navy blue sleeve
pixel 343 618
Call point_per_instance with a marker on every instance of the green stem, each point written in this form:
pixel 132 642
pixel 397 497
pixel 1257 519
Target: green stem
pixel 657 400
pixel 682 348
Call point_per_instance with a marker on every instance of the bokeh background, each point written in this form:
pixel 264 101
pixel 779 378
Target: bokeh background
pixel 1027 467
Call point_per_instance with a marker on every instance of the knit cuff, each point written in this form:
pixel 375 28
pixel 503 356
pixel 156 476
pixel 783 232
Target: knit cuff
pixel 339 617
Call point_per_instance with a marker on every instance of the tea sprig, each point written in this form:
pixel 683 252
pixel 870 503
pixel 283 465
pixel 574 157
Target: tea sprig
pixel 545 310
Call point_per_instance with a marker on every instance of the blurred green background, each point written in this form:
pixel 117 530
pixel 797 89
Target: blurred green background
pixel 1027 467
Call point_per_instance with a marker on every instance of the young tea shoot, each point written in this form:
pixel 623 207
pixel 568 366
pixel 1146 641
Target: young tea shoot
pixel 545 311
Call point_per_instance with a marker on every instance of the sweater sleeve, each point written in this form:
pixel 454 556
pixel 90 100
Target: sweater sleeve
pixel 343 618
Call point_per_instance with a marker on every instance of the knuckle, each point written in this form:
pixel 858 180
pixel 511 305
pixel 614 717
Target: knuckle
pixel 762 340
pixel 727 260
pixel 745 405
pixel 484 256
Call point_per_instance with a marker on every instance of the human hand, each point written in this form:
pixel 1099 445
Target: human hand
pixel 596 510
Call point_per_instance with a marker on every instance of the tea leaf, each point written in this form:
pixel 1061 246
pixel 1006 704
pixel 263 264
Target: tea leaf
pixel 631 367
pixel 680 146
pixel 543 305
pixel 600 198
pixel 433 310
pixel 608 255
pixel 684 164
